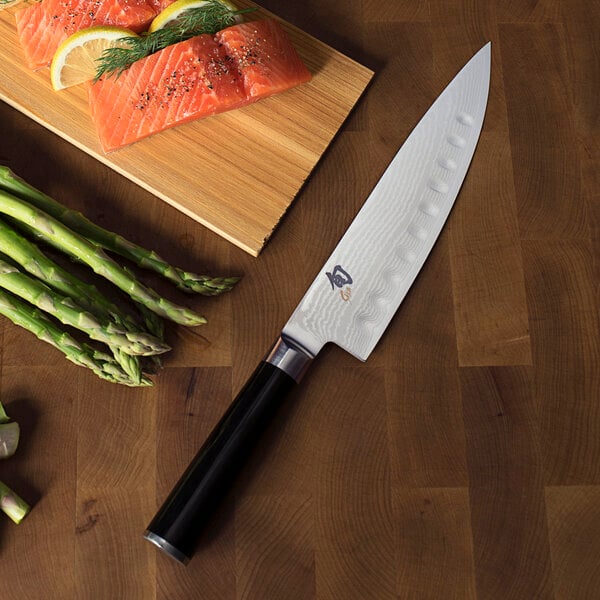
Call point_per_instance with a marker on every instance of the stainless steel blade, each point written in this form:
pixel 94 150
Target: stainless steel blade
pixel 363 282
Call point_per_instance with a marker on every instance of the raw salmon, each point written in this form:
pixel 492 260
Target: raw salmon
pixel 196 78
pixel 162 4
pixel 266 59
pixel 167 88
pixel 42 26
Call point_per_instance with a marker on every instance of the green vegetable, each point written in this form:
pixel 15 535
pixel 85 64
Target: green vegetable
pixel 128 324
pixel 210 18
pixel 68 312
pixel 82 354
pixel 11 504
pixel 190 282
pixel 9 439
pixel 35 262
pixel 56 233
pixel 3 416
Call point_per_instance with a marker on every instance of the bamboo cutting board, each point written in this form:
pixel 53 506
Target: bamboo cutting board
pixel 236 173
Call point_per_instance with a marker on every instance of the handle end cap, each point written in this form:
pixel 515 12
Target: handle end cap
pixel 166 547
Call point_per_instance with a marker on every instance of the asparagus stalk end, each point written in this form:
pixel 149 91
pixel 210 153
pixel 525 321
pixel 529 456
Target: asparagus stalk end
pixel 13 505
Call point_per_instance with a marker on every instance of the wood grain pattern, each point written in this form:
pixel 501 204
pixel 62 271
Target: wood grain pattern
pixel 460 462
pixel 428 565
pixel 573 528
pixel 235 173
pixel 506 483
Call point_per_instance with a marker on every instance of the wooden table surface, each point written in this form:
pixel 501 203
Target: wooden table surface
pixel 462 460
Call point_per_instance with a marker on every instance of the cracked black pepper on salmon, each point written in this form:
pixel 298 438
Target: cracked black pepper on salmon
pixel 42 26
pixel 197 78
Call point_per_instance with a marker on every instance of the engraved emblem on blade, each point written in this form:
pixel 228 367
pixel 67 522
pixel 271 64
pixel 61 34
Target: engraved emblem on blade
pixel 341 279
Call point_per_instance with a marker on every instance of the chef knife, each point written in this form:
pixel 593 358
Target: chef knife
pixel 350 302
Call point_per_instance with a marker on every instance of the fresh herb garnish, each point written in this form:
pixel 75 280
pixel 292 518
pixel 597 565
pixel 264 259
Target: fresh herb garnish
pixel 210 18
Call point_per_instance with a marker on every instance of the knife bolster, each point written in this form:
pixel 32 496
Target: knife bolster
pixel 290 358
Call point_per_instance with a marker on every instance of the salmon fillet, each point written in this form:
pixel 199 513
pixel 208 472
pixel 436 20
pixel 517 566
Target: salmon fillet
pixel 43 26
pixel 265 57
pixel 193 79
pixel 162 4
pixel 167 88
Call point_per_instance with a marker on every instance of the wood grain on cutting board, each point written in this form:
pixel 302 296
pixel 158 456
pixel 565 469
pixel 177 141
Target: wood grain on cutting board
pixel 236 173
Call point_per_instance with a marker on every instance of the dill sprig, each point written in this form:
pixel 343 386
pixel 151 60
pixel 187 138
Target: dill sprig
pixel 209 18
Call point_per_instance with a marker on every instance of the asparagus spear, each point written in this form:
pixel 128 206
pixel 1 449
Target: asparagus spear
pixel 80 248
pixel 9 439
pixel 68 312
pixel 34 261
pixel 191 282
pixel 11 504
pixel 16 508
pixel 35 321
pixel 3 416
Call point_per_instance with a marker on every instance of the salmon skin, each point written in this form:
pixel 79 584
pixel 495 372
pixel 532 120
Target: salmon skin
pixel 197 78
pixel 43 26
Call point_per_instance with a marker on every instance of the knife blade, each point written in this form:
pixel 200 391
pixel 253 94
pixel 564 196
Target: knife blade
pixel 350 302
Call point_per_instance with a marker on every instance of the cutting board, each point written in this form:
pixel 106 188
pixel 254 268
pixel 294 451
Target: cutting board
pixel 236 173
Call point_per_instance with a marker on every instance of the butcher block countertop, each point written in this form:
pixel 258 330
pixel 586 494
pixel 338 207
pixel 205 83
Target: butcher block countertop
pixel 461 461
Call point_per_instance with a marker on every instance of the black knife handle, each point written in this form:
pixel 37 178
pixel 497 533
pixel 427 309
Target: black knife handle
pixel 178 524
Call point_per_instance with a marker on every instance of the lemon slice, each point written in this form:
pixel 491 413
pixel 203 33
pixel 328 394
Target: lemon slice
pixel 75 60
pixel 175 10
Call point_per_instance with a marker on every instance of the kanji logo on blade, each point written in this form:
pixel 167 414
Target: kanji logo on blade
pixel 340 278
